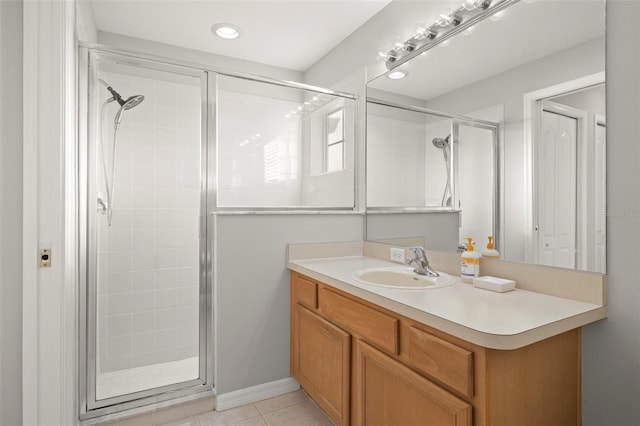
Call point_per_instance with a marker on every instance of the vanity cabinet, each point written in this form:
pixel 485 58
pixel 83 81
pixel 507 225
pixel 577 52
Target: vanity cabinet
pixel 367 365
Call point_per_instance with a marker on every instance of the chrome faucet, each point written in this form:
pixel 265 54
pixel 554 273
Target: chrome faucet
pixel 419 260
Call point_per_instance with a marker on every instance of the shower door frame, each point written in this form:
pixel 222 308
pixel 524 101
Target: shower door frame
pixel 186 390
pixel 496 175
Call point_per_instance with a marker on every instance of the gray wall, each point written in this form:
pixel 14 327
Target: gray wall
pixel 11 212
pixel 611 348
pixel 439 230
pixel 85 23
pixel 252 290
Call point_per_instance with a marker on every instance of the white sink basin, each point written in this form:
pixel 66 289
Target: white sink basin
pixel 402 277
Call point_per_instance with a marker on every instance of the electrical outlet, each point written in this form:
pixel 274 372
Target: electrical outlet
pixel 396 254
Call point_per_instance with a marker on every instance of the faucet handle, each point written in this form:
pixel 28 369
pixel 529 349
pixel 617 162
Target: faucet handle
pixel 418 252
pixel 418 256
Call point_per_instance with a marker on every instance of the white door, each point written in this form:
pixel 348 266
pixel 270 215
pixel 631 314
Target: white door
pixel 557 190
pixel 600 195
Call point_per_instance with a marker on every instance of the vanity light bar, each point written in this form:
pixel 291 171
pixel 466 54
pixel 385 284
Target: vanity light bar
pixel 467 15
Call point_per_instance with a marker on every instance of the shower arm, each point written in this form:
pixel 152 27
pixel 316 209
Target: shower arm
pixel 112 98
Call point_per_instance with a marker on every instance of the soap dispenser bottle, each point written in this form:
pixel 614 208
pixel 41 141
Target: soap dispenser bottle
pixel 490 251
pixel 469 263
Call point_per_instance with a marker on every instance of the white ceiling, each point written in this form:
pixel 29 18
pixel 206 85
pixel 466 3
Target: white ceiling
pixel 292 34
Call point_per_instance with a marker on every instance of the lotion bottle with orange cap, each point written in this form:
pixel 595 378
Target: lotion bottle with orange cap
pixel 490 251
pixel 469 263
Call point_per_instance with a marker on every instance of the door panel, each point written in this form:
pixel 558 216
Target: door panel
pixel 146 280
pixel 388 394
pixel 322 364
pixel 557 191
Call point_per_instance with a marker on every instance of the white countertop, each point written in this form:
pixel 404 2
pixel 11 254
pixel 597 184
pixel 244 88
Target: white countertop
pixel 494 320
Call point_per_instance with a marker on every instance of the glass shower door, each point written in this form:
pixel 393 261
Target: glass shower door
pixel 476 180
pixel 146 291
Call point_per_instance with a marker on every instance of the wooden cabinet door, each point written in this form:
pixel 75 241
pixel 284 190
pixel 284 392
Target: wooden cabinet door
pixel 322 364
pixel 387 393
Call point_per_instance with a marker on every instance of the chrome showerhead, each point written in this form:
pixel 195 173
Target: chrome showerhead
pixel 441 143
pixel 133 101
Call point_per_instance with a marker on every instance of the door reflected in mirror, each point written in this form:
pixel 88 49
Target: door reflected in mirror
pixel 536 179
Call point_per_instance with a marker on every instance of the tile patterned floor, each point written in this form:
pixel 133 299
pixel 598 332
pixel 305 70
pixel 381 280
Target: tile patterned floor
pixel 292 409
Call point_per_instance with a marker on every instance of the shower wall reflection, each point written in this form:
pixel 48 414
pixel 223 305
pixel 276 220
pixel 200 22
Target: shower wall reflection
pixel 403 168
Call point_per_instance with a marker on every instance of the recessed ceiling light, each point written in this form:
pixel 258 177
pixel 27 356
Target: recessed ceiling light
pixel 226 31
pixel 396 75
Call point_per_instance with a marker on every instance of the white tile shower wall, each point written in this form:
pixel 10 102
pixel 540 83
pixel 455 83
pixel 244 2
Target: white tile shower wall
pixel 395 162
pixel 259 154
pixel 148 259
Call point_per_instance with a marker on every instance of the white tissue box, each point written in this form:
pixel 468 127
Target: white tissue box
pixel 494 284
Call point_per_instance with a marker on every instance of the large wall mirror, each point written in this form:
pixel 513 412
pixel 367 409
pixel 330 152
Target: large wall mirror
pixel 505 123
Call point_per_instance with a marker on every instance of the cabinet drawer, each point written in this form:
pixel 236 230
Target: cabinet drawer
pixel 442 360
pixel 306 292
pixel 370 325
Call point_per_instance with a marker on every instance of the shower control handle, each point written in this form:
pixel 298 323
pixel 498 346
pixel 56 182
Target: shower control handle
pixel 102 204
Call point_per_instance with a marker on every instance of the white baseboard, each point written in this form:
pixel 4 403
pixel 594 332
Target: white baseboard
pixel 240 397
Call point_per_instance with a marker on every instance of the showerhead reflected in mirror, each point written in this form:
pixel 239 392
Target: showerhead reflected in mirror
pixel 537 73
pixel 445 146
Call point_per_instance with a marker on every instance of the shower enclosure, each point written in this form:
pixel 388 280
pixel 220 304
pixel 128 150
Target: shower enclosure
pixel 425 160
pixel 143 172
pixel 165 150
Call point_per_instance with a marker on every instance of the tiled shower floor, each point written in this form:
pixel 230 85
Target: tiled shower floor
pixel 292 409
pixel 136 379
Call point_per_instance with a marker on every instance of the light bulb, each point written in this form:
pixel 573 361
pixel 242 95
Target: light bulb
pixel 444 20
pixel 451 19
pixel 396 75
pixel 471 4
pixel 226 31
pixel 427 33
